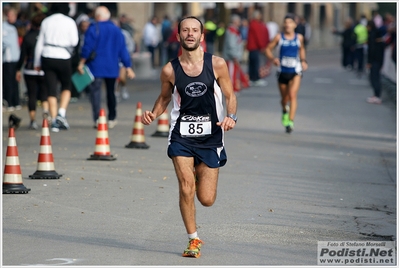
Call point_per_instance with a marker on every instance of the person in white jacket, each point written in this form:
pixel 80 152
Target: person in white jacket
pixel 54 47
pixel 151 37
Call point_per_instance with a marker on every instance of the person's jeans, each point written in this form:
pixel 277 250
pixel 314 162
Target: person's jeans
pixel 375 78
pixel 151 49
pixel 95 97
pixel 360 59
pixel 253 65
pixel 10 84
pixel 347 58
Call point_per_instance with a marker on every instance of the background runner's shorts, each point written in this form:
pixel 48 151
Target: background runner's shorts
pixel 284 78
pixel 212 157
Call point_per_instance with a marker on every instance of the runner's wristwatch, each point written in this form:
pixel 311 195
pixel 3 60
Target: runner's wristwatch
pixel 233 116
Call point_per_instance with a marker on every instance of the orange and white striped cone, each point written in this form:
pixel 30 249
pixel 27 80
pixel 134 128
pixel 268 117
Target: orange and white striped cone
pixel 45 160
pixel 138 138
pixel 12 179
pixel 163 126
pixel 102 148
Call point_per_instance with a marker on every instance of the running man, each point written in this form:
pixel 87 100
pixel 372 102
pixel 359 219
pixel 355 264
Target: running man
pixel 291 62
pixel 196 82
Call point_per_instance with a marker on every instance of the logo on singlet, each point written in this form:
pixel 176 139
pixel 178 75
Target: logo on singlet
pixel 196 89
pixel 289 43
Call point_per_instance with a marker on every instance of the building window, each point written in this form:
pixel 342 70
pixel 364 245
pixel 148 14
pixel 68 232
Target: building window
pixel 291 8
pixel 307 11
pixel 322 16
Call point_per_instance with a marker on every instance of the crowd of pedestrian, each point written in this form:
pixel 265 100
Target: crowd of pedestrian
pixel 364 44
pixel 48 48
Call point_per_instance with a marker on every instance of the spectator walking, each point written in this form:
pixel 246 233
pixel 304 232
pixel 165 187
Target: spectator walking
pixel 34 80
pixel 210 28
pixel 107 41
pixel 258 38
pixel 196 82
pixel 303 28
pixel 57 38
pixel 151 37
pixel 375 59
pixel 361 41
pixel 291 63
pixel 166 32
pixel 300 27
pixel 363 20
pixel 82 22
pixel 308 31
pixel 377 18
pixel 173 42
pixel 273 28
pixel 126 24
pixel 121 91
pixel 244 30
pixel 348 44
pixel 233 51
pixel 11 53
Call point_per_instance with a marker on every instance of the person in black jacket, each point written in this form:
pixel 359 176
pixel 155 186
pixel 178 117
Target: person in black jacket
pixel 375 59
pixel 348 44
pixel 34 79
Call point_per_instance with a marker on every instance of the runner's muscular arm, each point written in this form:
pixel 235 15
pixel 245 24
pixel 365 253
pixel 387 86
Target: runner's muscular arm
pixel 223 78
pixel 269 50
pixel 167 80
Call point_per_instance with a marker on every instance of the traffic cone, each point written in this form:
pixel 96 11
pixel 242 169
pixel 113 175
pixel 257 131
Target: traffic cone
pixel 102 149
pixel 45 160
pixel 12 179
pixel 138 138
pixel 163 126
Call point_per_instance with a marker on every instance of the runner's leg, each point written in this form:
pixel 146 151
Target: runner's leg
pixel 284 95
pixel 207 184
pixel 293 88
pixel 184 172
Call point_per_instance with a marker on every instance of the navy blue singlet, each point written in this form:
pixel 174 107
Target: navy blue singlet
pixel 197 107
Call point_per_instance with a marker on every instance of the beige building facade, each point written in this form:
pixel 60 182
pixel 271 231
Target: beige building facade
pixel 322 16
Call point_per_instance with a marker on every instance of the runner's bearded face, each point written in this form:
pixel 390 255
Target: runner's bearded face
pixel 190 35
pixel 190 43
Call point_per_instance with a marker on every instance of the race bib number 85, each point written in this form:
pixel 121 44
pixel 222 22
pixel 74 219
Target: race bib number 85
pixel 195 125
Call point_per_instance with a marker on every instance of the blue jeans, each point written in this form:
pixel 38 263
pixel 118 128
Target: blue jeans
pixel 95 97
pixel 253 65
pixel 151 49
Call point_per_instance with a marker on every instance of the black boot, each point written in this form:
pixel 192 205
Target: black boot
pixel 14 121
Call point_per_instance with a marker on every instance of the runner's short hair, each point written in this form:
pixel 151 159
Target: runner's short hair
pixel 190 17
pixel 290 16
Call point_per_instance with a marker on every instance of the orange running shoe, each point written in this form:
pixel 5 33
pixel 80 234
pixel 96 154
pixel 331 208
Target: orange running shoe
pixel 193 248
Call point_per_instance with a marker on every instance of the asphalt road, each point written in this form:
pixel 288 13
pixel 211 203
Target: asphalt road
pixel 332 179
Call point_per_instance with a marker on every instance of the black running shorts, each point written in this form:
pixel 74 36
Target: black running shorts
pixel 212 157
pixel 57 70
pixel 284 78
